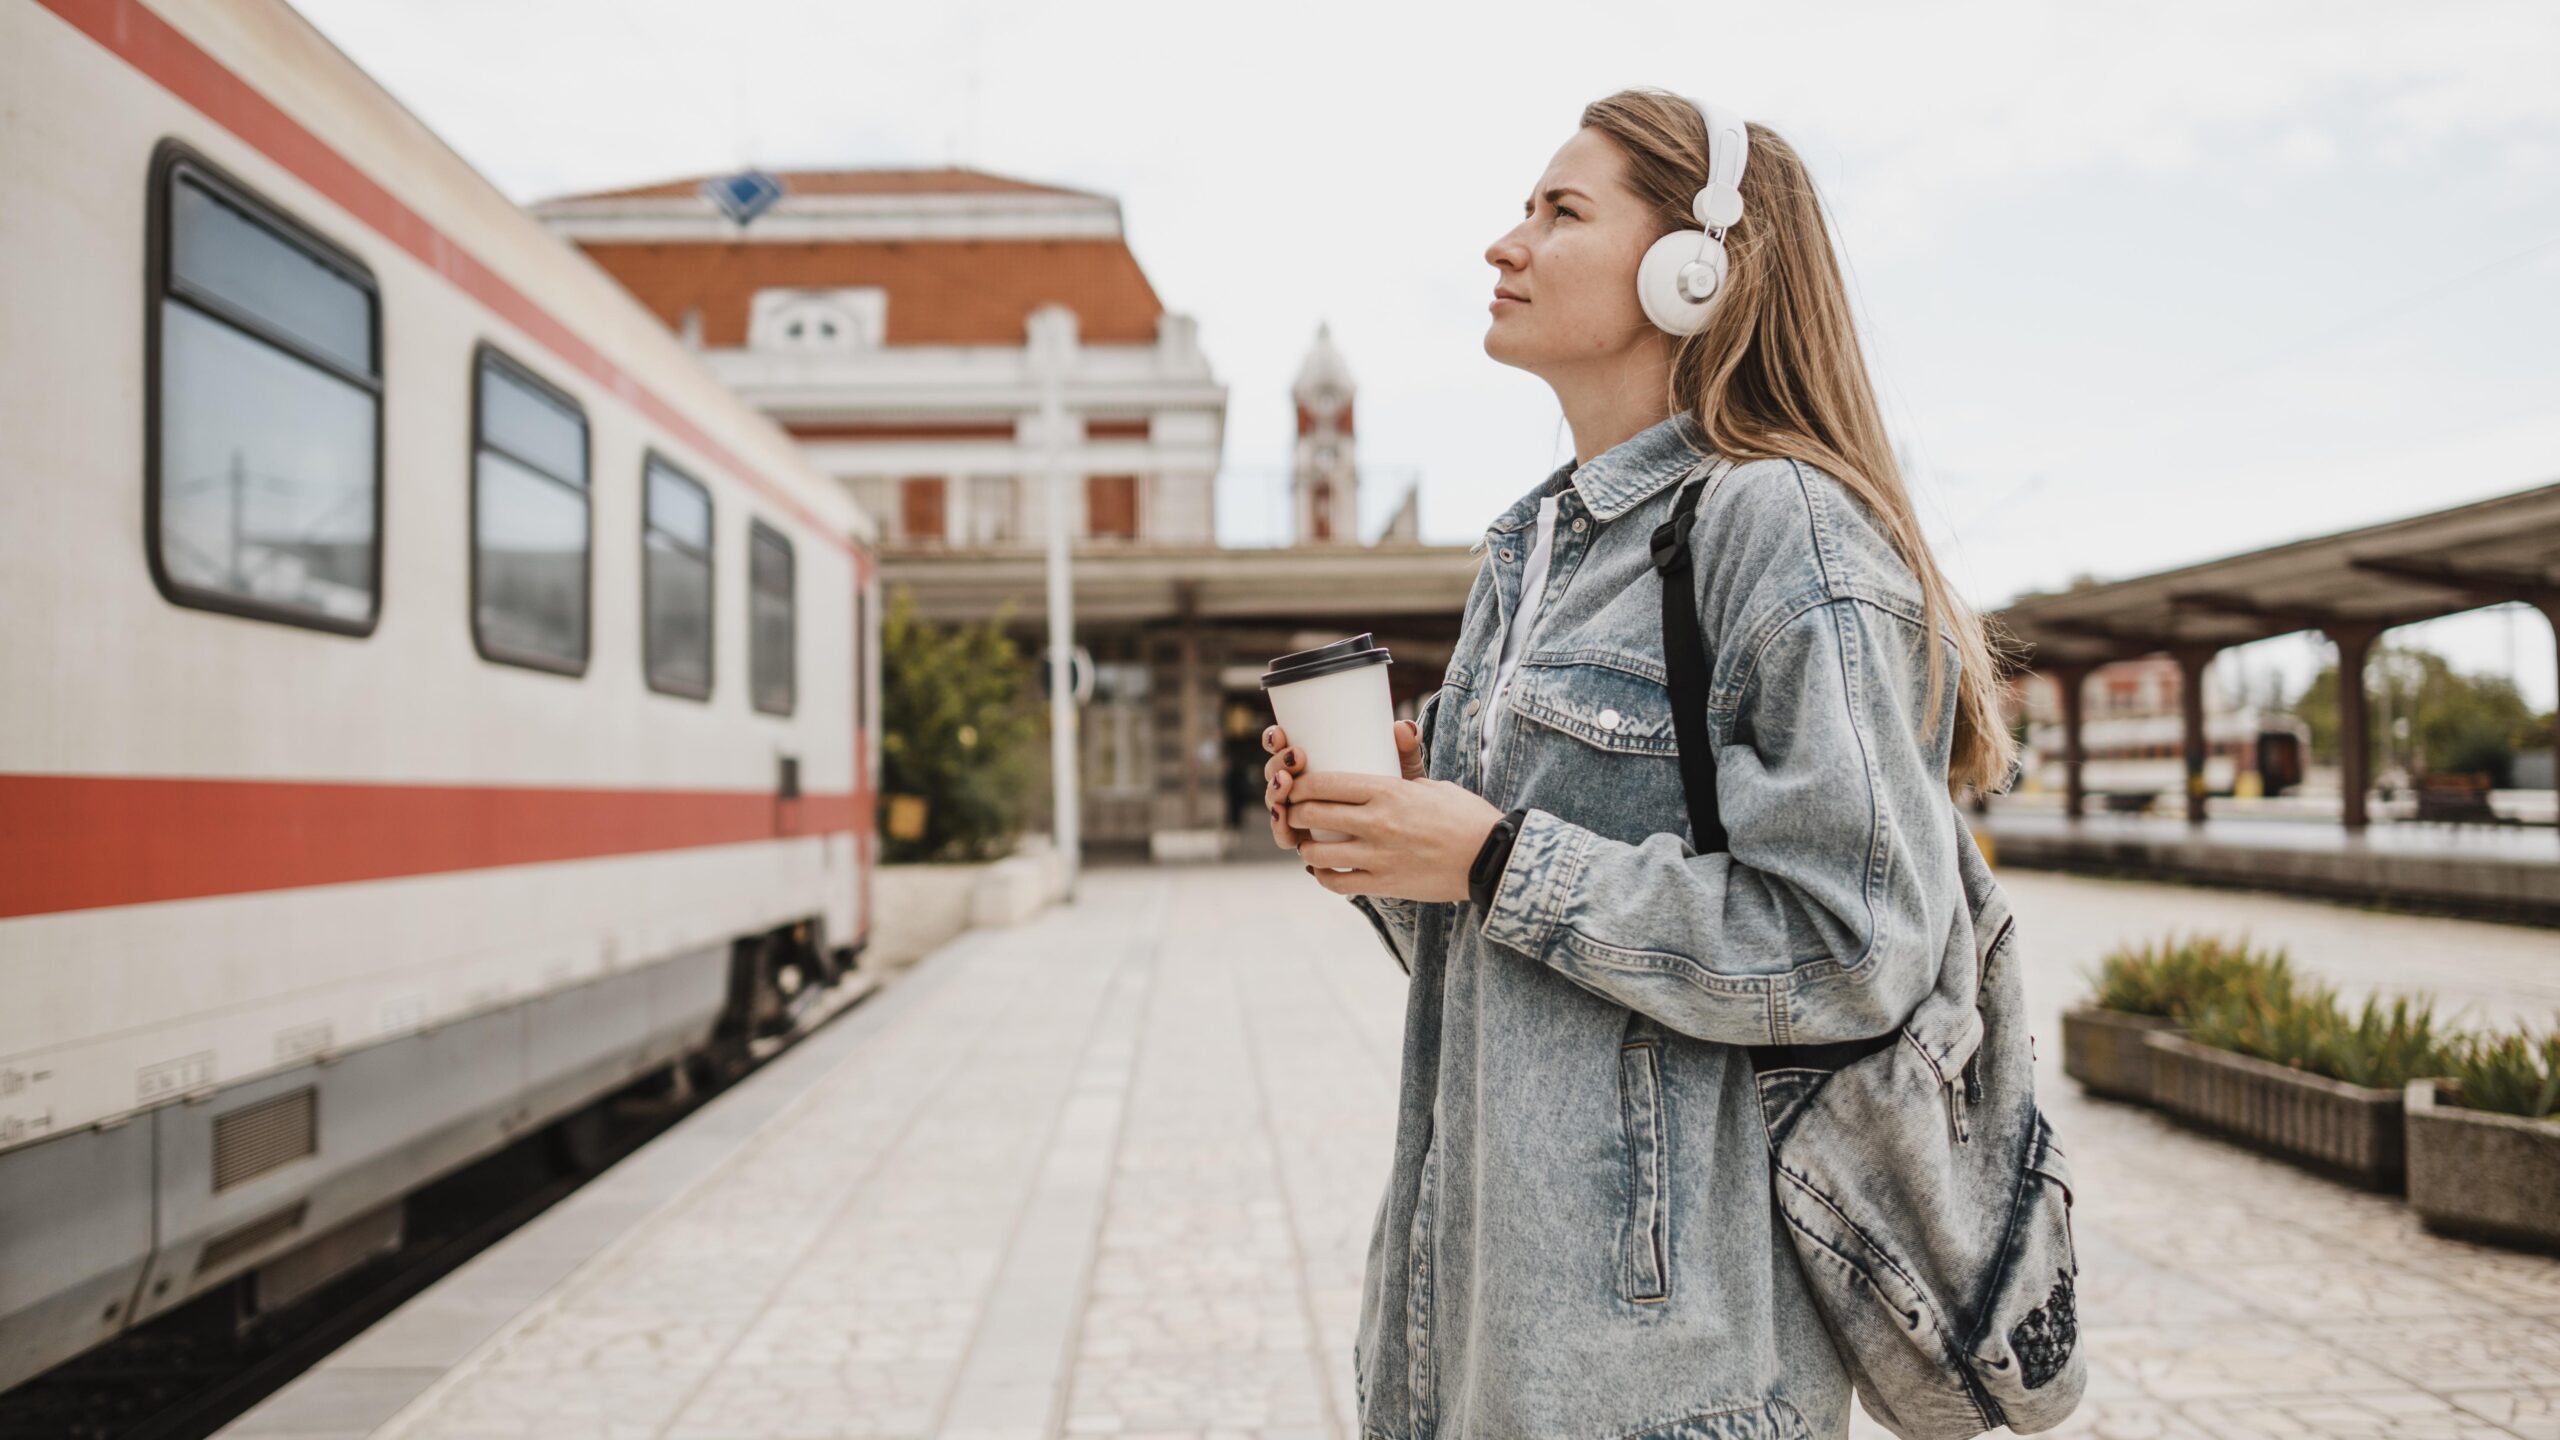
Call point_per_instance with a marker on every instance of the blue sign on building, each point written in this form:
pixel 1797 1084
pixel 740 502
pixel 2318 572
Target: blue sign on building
pixel 743 196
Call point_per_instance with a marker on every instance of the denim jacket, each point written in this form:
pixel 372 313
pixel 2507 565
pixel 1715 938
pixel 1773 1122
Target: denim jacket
pixel 1577 1239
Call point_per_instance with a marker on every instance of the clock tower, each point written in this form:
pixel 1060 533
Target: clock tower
pixel 1324 483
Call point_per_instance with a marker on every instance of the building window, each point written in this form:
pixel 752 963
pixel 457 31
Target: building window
pixel 819 320
pixel 530 542
pixel 994 513
pixel 920 508
pixel 1111 506
pixel 1324 510
pixel 264 422
pixel 675 581
pixel 771 672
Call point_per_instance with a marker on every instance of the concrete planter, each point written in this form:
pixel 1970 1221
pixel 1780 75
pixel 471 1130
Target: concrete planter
pixel 2482 1175
pixel 2103 1050
pixel 921 907
pixel 2353 1133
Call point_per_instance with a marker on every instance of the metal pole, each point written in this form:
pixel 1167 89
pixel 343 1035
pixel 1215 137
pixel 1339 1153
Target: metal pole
pixel 2354 644
pixel 2192 661
pixel 2073 681
pixel 1062 701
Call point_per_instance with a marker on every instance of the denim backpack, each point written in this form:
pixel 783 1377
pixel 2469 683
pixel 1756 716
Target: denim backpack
pixel 1925 1193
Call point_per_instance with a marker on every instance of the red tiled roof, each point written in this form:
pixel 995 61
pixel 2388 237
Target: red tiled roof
pixel 941 292
pixel 943 181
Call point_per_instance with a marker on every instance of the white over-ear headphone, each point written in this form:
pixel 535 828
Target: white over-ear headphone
pixel 1682 275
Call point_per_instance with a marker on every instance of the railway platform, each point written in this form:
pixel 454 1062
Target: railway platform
pixel 2492 871
pixel 1110 1174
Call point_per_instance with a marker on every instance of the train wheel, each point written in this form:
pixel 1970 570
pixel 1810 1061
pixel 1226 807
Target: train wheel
pixel 580 1141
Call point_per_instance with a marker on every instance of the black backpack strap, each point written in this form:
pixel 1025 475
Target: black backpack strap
pixel 1684 656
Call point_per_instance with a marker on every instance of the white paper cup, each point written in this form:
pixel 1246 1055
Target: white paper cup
pixel 1333 704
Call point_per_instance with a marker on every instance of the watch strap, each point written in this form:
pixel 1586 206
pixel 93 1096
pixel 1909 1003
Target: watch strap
pixel 1485 875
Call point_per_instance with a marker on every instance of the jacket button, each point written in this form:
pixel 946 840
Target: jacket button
pixel 1506 554
pixel 1608 719
pixel 1580 524
pixel 1471 706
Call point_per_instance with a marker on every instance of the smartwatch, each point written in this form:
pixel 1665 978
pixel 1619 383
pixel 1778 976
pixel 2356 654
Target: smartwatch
pixel 1485 875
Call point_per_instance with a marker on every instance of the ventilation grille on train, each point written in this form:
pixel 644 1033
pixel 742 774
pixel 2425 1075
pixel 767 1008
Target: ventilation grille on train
pixel 255 1139
pixel 257 1235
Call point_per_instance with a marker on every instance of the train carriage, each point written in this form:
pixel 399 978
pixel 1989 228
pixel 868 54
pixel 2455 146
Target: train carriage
pixel 428 700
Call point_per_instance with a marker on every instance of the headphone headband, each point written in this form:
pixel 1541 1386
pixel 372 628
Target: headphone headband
pixel 1728 149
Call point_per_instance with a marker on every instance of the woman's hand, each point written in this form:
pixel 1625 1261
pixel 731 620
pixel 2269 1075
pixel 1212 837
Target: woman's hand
pixel 1413 838
pixel 1285 764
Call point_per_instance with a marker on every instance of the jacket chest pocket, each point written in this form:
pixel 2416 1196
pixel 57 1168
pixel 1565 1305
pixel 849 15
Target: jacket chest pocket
pixel 1593 741
pixel 1644 1251
pixel 1607 705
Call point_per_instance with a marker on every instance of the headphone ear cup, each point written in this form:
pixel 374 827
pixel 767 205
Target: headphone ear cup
pixel 1658 282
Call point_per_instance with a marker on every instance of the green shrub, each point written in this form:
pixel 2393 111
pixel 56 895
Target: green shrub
pixel 2383 1045
pixel 956 730
pixel 2513 1073
pixel 2174 978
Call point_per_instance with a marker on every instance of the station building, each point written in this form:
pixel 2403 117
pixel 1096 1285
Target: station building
pixel 905 325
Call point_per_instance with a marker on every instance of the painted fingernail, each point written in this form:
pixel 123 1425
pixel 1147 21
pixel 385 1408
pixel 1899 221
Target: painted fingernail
pixel 1311 869
pixel 1289 756
pixel 1275 812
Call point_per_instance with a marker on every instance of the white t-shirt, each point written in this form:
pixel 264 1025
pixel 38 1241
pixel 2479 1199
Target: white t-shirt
pixel 1515 636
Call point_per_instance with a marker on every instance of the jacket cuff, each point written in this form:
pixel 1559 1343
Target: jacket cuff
pixel 1395 919
pixel 1529 902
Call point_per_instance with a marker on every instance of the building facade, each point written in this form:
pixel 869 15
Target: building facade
pixel 914 327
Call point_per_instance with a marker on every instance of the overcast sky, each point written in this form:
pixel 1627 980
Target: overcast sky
pixel 2138 285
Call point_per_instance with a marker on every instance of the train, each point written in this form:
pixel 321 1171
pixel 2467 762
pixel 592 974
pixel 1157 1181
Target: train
pixel 429 701
pixel 2138 755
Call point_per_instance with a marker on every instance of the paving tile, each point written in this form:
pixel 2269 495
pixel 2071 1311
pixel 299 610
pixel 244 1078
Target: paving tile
pixel 1110 1174
pixel 2531 1411
pixel 2384 1417
pixel 2452 1352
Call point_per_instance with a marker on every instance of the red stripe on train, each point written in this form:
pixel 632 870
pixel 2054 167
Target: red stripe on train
pixel 170 60
pixel 82 842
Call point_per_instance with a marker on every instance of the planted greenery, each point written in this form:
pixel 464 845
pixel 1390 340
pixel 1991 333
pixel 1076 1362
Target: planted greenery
pixel 2382 1046
pixel 2250 1000
pixel 2513 1072
pixel 955 731
pixel 2174 978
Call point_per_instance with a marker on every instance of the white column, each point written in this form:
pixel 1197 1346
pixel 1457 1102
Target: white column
pixel 1052 340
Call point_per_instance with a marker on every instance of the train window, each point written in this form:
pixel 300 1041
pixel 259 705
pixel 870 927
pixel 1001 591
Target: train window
pixel 675 580
pixel 264 417
pixel 529 519
pixel 772 678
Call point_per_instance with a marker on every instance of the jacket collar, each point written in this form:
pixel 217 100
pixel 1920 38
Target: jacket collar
pixel 1621 477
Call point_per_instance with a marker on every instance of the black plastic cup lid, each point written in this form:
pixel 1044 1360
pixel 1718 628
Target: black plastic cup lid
pixel 1348 654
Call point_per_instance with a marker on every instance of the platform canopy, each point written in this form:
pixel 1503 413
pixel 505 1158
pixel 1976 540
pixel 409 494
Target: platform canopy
pixel 2372 579
pixel 1421 588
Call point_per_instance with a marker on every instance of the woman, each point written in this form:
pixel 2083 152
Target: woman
pixel 1577 1237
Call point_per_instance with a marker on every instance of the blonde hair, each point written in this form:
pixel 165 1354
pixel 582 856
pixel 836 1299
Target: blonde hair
pixel 1777 374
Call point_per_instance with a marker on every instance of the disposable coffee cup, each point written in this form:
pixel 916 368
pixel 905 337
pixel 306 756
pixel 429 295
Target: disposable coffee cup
pixel 1333 703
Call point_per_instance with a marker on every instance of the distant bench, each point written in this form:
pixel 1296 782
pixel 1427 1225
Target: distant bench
pixel 2456 799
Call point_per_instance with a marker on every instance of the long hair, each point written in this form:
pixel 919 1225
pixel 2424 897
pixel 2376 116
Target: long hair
pixel 1777 373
